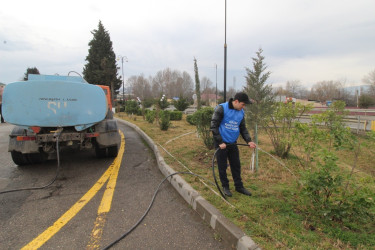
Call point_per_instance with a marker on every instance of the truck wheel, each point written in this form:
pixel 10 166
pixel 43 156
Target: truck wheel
pixel 112 151
pixel 19 158
pixel 37 157
pixel 100 152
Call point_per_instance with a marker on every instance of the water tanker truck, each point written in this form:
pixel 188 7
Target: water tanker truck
pixel 51 112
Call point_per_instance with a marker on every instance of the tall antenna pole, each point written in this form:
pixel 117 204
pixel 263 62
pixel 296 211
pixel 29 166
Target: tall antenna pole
pixel 225 55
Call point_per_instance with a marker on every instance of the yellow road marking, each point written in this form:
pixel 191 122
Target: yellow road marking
pixel 105 205
pixel 73 211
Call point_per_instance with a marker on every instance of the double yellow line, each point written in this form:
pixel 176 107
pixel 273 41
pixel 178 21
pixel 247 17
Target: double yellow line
pixel 105 206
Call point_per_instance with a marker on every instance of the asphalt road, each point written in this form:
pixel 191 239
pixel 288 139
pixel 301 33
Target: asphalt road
pixel 25 215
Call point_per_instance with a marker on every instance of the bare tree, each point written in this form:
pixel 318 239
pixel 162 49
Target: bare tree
pixel 172 83
pixel 231 92
pixel 187 86
pixel 206 85
pixel 293 87
pixel 158 84
pixel 370 79
pixel 326 90
pixel 140 87
pixel 303 93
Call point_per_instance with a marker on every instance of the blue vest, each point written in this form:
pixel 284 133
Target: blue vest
pixel 230 125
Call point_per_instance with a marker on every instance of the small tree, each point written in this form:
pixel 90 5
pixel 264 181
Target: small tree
pixel 279 125
pixel 258 91
pixel 203 122
pixel 30 71
pixel 150 116
pixel 132 107
pixel 147 103
pixel 333 120
pixel 164 119
pixel 181 104
pixel 163 103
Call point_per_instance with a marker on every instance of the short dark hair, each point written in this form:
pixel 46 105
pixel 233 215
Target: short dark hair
pixel 242 97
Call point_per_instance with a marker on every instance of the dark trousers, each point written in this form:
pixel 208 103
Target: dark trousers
pixel 232 154
pixel 1 113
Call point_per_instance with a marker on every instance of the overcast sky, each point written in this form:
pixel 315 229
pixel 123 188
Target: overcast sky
pixel 305 40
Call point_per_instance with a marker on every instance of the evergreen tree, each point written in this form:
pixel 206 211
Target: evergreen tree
pixel 30 71
pixel 101 65
pixel 258 91
pixel 181 104
pixel 197 85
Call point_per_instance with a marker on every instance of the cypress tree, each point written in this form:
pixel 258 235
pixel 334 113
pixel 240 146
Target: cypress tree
pixel 197 85
pixel 101 65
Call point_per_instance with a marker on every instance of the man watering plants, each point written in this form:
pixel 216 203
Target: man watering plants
pixel 228 122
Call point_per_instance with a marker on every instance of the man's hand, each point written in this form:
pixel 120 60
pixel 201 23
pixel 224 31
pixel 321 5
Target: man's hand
pixel 252 145
pixel 223 146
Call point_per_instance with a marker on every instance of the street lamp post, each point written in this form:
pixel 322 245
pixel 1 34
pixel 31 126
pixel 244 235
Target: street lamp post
pixel 122 70
pixel 216 84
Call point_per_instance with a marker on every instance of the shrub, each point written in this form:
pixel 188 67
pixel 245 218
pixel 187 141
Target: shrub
pixel 203 122
pixel 147 103
pixel 329 192
pixel 366 101
pixel 191 119
pixel 163 103
pixel 279 125
pixel 164 122
pixel 176 115
pixel 150 116
pixel 132 107
pixel 181 104
pixel 330 198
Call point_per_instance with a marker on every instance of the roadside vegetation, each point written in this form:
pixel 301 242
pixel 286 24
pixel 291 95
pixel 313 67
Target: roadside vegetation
pixel 321 197
pixel 313 185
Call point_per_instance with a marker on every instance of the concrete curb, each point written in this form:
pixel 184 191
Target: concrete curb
pixel 229 232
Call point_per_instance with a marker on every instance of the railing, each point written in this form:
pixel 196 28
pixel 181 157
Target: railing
pixel 355 122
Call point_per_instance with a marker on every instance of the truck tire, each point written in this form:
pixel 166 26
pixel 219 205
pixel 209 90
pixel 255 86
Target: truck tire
pixel 100 152
pixel 19 158
pixel 26 159
pixel 37 157
pixel 109 114
pixel 112 151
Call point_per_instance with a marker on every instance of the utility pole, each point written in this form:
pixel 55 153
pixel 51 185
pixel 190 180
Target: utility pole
pixel 122 69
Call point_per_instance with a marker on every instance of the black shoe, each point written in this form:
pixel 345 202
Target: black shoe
pixel 227 192
pixel 243 191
